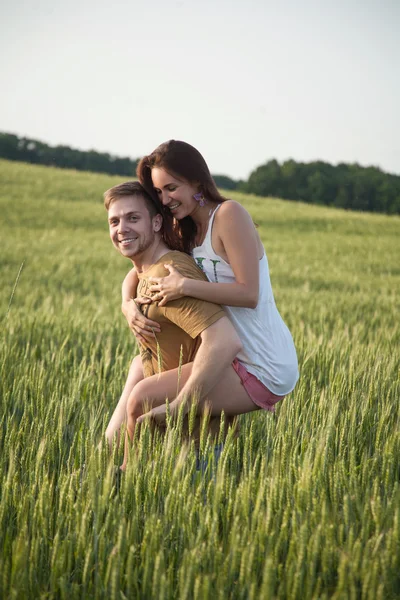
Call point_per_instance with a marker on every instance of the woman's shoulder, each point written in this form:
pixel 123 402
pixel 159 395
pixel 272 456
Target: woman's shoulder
pixel 231 207
pixel 230 213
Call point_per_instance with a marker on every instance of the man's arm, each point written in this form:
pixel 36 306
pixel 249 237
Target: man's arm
pixel 219 346
pixel 141 326
pixel 129 286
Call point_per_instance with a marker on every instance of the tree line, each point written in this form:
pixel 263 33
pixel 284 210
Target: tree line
pixel 28 150
pixel 344 185
pixel 348 186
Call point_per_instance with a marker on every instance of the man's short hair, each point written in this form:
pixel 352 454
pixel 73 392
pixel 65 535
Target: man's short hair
pixel 130 188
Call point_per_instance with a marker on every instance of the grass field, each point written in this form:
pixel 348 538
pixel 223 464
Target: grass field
pixel 305 505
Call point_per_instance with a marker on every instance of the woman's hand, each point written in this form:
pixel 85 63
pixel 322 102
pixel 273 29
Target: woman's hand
pixel 168 288
pixel 141 326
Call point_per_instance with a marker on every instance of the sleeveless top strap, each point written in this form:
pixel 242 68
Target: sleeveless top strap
pixel 207 239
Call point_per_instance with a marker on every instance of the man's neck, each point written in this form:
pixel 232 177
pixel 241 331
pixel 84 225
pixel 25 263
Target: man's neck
pixel 144 261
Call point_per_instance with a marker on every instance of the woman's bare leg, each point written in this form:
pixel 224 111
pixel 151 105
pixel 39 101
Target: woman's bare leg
pixel 119 415
pixel 150 392
pixel 228 395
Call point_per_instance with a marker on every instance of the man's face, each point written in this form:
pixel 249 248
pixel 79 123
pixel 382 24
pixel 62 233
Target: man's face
pixel 132 229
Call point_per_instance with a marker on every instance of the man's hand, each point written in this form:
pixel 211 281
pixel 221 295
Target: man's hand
pixel 159 413
pixel 141 326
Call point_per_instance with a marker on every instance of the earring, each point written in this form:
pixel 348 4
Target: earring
pixel 200 198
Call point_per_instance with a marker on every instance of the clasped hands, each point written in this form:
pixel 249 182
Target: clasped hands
pixel 165 289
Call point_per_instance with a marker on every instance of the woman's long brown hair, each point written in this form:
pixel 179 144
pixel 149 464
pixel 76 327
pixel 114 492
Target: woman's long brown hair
pixel 184 162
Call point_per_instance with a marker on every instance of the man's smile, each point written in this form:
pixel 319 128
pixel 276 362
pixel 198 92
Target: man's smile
pixel 127 241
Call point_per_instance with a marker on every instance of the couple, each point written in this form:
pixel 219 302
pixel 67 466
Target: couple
pixel 238 358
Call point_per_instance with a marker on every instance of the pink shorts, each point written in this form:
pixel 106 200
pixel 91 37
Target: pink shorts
pixel 260 395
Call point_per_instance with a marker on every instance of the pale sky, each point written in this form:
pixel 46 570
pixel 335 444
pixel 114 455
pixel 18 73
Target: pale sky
pixel 243 81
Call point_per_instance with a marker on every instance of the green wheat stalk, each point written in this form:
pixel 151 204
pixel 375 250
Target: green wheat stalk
pixel 14 288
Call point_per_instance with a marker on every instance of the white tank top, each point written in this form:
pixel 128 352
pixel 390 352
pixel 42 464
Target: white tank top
pixel 268 349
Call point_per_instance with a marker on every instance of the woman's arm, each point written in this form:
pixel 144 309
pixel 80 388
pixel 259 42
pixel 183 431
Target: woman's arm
pixel 239 238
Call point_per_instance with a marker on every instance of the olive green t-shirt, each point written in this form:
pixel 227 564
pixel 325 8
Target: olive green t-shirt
pixel 181 321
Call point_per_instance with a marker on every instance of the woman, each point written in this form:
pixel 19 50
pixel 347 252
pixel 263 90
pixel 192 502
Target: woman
pixel 223 240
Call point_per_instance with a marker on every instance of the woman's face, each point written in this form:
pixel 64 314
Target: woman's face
pixel 175 194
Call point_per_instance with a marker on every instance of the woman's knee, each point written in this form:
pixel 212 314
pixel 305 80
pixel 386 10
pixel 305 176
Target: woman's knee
pixel 134 407
pixel 136 368
pixel 138 402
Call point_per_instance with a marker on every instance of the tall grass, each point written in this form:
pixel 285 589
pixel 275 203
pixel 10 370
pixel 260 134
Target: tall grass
pixel 302 505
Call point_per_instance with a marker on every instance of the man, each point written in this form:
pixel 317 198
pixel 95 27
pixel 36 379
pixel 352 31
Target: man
pixel 193 352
